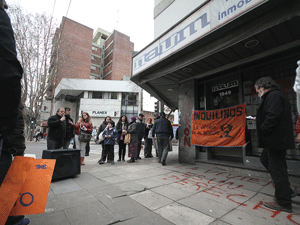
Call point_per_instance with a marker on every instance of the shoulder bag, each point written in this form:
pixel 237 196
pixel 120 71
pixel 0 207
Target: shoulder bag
pixel 127 139
pixel 84 136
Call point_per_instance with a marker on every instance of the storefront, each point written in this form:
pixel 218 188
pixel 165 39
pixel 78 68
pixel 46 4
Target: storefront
pixel 211 59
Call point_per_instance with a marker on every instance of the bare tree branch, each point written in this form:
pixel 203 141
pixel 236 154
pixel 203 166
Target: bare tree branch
pixel 33 34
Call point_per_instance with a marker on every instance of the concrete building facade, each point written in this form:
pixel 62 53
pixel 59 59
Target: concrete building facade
pixel 208 55
pixel 91 73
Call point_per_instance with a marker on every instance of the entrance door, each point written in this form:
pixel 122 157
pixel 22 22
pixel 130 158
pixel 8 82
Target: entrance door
pixel 222 93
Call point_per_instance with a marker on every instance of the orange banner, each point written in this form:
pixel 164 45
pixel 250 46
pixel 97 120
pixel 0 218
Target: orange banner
pixel 25 187
pixel 222 127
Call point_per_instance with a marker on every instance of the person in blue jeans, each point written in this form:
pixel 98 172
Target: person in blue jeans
pixel 110 135
pixel 12 140
pixel 163 130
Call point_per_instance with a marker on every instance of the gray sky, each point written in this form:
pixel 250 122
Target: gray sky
pixel 131 17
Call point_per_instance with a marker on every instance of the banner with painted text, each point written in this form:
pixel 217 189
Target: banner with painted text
pixel 222 127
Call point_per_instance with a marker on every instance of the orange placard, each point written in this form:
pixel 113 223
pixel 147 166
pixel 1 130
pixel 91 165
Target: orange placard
pixel 25 188
pixel 223 127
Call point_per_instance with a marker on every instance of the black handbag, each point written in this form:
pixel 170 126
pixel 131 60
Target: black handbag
pixel 84 136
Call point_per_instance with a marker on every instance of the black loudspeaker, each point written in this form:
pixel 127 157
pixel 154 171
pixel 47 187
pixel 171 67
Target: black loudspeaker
pixel 67 162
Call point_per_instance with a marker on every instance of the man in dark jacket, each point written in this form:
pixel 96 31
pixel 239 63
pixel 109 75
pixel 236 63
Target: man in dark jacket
pixel 163 130
pixel 57 130
pixel 12 140
pixel 141 133
pixel 275 134
pixel 70 132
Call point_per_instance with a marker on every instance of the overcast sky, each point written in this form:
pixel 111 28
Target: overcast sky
pixel 131 17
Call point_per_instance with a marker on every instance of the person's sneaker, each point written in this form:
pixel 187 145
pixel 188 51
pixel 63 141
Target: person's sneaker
pixel 131 160
pixel 163 162
pixel 112 162
pixel 119 160
pixel 277 207
pixel 24 221
pixel 101 162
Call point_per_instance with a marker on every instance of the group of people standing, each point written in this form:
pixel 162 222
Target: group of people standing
pixel 62 130
pixel 135 127
pixel 137 130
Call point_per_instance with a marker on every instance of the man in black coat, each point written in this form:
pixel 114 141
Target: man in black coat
pixel 57 130
pixel 141 133
pixel 163 130
pixel 275 135
pixel 70 132
pixel 12 139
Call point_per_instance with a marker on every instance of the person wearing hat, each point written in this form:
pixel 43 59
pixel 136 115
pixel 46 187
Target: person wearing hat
pixel 140 132
pixel 133 145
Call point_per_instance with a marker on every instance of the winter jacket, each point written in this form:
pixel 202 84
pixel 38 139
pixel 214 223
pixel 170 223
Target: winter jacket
pixel 274 122
pixel 140 129
pixel 14 141
pixel 111 140
pixel 101 128
pixel 10 76
pixel 57 128
pixel 69 127
pixel 132 130
pixel 119 129
pixel 147 130
pixel 79 125
pixel 162 127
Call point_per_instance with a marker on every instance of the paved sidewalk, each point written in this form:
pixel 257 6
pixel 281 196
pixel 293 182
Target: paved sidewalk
pixel 146 192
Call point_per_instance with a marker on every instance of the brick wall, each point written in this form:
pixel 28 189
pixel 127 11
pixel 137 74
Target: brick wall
pixel 74 56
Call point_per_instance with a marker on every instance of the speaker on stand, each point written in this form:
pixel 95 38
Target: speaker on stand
pixel 67 162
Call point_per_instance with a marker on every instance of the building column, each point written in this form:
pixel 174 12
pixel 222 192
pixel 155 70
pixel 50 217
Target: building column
pixel 187 151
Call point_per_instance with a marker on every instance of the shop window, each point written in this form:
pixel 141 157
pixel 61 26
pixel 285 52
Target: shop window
pixel 130 99
pixel 96 94
pixel 114 95
pixel 103 95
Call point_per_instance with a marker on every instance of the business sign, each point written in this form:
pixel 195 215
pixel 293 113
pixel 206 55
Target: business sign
pixel 224 86
pixel 213 15
pixel 104 113
pixel 220 128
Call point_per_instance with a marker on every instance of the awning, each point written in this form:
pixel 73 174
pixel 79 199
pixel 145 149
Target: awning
pixel 268 29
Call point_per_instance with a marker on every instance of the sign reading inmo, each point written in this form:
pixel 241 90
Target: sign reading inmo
pixel 205 20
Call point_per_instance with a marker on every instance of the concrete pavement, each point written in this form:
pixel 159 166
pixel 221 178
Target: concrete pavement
pixel 146 192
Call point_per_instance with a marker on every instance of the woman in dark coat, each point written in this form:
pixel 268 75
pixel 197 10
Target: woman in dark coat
pixel 101 128
pixel 148 141
pixel 133 145
pixel 122 127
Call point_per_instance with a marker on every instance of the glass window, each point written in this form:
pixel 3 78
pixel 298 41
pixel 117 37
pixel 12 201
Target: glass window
pixel 93 67
pixel 97 94
pixel 94 48
pixel 129 98
pixel 114 95
pixel 103 95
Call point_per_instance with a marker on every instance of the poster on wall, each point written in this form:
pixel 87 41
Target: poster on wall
pixel 219 128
